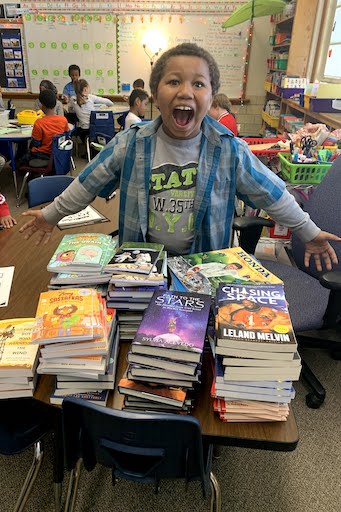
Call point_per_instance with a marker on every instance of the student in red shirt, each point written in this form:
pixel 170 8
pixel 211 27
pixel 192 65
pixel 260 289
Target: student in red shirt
pixel 221 110
pixel 45 128
pixel 6 219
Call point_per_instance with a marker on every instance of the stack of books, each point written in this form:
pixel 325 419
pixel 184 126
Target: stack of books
pixel 77 340
pixel 166 354
pixel 256 356
pixel 18 358
pixel 79 261
pixel 136 270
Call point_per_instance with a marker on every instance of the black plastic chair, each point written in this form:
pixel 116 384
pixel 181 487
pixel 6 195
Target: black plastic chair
pixel 315 310
pixel 101 130
pixel 44 190
pixel 138 447
pixel 23 424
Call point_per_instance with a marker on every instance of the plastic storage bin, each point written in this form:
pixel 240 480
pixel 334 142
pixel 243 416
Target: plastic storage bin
pixel 4 118
pixel 271 121
pixel 323 105
pixel 29 116
pixel 251 141
pixel 302 173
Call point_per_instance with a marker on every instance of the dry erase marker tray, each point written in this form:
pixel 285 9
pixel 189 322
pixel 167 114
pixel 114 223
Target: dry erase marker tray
pixel 302 173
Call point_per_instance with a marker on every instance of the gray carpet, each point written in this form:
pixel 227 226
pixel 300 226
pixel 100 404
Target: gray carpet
pixel 306 480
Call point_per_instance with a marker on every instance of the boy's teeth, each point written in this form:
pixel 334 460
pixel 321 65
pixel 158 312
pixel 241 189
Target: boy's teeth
pixel 183 108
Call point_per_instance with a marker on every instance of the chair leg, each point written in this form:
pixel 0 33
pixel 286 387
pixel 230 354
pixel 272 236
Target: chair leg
pixel 87 143
pixel 317 395
pixel 58 488
pixel 22 188
pixel 30 478
pixel 73 487
pixel 73 165
pixel 215 493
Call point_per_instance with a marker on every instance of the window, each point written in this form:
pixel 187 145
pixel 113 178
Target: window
pixel 327 58
pixel 333 58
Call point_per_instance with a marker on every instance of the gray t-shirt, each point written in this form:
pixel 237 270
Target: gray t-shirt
pixel 172 191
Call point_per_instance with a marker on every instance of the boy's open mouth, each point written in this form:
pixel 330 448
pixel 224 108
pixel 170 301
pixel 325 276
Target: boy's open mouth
pixel 183 115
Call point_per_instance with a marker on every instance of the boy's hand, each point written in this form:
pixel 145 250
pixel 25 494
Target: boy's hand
pixel 320 247
pixel 37 225
pixel 7 221
pixel 65 99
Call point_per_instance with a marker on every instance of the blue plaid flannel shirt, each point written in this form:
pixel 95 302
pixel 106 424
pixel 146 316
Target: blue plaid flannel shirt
pixel 226 169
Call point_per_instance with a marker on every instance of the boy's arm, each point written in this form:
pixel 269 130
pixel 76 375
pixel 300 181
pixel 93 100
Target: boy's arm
pixel 102 101
pixel 37 135
pixel 6 220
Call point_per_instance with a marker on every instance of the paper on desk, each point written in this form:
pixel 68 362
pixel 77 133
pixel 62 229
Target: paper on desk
pixel 6 277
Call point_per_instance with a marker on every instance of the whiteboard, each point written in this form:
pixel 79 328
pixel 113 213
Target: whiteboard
pixel 54 41
pixel 227 47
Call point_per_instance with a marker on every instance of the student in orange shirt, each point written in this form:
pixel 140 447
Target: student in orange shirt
pixel 45 128
pixel 221 110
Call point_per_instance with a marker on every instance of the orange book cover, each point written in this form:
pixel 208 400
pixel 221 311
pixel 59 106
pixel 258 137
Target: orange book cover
pixel 72 313
pixel 154 392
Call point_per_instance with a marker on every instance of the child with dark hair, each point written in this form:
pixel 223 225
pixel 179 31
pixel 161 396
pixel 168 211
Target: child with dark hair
pixel 179 174
pixel 46 84
pixel 138 101
pixel 221 110
pixel 45 128
pixel 69 88
pixel 6 219
pixel 138 83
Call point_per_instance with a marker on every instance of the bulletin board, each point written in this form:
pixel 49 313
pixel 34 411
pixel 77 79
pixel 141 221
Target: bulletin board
pixel 227 47
pixel 12 59
pixel 54 41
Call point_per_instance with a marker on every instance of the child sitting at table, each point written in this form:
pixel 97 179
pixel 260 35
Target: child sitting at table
pixel 69 88
pixel 221 110
pixel 6 219
pixel 180 173
pixel 83 104
pixel 138 101
pixel 46 84
pixel 45 128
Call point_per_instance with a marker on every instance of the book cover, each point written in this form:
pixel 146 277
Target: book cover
pixel 136 257
pixel 96 397
pixel 83 218
pixel 71 314
pixel 254 317
pixel 82 252
pixel 174 321
pixel 18 355
pixel 206 270
pixel 153 392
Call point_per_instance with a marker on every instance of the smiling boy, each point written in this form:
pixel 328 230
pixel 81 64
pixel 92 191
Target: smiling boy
pixel 179 175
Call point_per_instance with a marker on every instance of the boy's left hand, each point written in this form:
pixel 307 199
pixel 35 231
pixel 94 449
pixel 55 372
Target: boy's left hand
pixel 7 222
pixel 320 247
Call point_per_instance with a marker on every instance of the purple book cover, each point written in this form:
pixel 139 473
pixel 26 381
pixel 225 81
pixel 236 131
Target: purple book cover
pixel 176 320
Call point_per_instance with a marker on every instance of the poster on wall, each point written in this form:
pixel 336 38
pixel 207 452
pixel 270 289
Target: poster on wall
pixel 12 70
pixel 55 41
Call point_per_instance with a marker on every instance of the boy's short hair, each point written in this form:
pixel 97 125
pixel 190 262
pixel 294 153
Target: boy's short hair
pixel 190 50
pixel 48 98
pixel 74 67
pixel 49 85
pixel 222 101
pixel 138 83
pixel 137 94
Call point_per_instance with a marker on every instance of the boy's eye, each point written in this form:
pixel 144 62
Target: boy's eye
pixel 174 81
pixel 199 84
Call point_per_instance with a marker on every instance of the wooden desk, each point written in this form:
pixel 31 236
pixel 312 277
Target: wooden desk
pixel 31 277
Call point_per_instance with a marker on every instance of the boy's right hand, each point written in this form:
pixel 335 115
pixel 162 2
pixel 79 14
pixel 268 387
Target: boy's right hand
pixel 37 225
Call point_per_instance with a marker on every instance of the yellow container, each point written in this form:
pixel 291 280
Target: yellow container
pixel 267 86
pixel 29 116
pixel 307 100
pixel 273 122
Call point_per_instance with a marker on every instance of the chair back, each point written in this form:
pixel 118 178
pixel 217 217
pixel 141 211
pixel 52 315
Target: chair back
pixel 44 190
pixel 62 146
pixel 139 447
pixel 324 208
pixel 101 128
pixel 121 120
